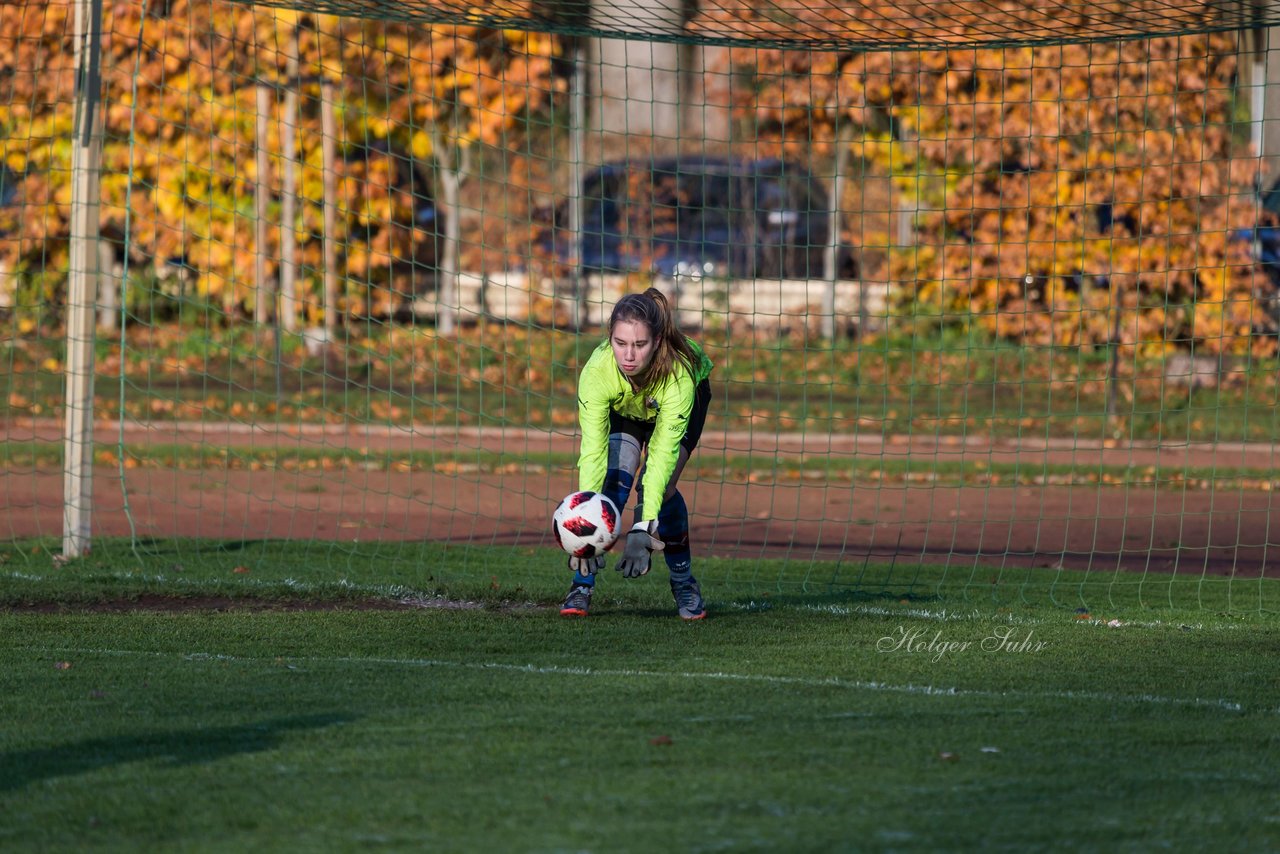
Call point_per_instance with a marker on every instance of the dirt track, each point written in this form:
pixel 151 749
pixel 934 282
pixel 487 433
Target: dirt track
pixel 1096 527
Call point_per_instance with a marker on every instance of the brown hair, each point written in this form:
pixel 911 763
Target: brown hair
pixel 652 309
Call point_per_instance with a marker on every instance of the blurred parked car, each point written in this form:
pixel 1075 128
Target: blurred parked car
pixel 699 216
pixel 10 211
pixel 1264 247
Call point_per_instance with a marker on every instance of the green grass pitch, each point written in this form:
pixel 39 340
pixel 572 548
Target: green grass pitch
pixel 201 699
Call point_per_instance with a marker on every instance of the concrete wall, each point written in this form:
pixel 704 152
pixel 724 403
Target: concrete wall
pixel 678 94
pixel 637 88
pixel 759 304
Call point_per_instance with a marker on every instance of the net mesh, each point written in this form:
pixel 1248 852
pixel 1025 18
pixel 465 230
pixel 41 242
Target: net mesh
pixel 831 25
pixel 988 286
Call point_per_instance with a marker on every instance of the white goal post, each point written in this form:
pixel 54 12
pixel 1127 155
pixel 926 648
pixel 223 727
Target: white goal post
pixel 86 170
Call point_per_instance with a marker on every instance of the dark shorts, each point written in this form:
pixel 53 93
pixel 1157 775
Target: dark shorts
pixel 642 430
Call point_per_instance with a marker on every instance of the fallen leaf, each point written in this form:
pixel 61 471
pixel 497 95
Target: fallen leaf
pixel 660 740
pixel 946 756
pixel 241 570
pixel 62 665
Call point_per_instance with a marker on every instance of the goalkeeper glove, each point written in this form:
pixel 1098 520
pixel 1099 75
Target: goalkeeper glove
pixel 587 565
pixel 640 546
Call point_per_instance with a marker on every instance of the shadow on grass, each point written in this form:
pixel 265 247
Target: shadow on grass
pixel 830 599
pixel 738 607
pixel 616 611
pixel 19 768
pixel 160 546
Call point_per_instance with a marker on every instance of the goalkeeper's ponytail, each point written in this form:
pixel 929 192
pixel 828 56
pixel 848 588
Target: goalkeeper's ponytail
pixel 670 344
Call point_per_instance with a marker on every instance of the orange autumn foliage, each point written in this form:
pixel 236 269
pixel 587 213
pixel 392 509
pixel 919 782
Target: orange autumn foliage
pixel 1069 193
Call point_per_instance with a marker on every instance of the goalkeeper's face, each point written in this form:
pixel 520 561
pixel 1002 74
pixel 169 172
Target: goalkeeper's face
pixel 632 346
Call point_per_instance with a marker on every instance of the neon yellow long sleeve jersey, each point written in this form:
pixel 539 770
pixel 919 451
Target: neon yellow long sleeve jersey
pixel 602 388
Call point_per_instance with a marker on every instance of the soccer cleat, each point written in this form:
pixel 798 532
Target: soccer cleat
pixel 577 602
pixel 688 599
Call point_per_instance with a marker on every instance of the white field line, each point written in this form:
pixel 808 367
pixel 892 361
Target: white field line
pixel 957 616
pixel 1220 704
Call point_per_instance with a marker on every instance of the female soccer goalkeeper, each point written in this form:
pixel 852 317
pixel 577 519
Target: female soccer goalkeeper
pixel 643 391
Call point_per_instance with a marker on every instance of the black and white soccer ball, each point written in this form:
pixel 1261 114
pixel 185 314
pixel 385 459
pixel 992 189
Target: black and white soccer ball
pixel 586 524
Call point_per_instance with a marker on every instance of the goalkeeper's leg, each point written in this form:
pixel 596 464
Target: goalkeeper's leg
pixel 624 459
pixel 673 530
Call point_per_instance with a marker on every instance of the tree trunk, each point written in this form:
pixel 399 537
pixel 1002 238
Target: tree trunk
pixel 830 254
pixel 289 202
pixel 263 297
pixel 329 157
pixel 447 288
pixel 577 130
